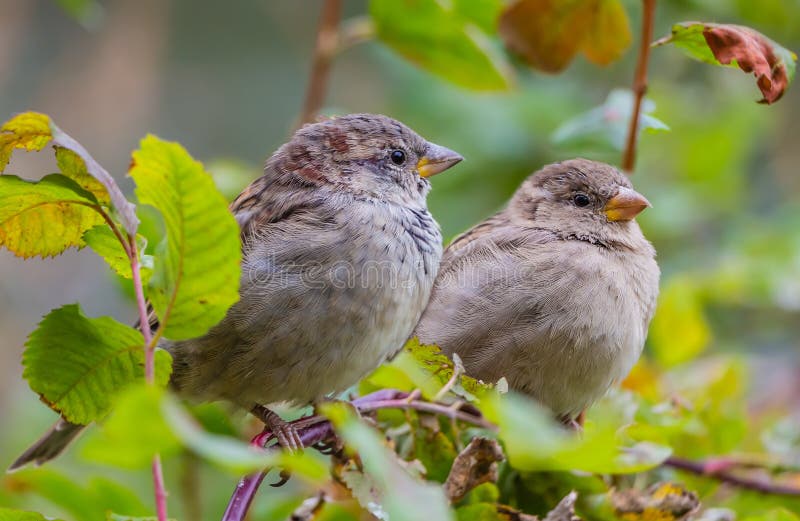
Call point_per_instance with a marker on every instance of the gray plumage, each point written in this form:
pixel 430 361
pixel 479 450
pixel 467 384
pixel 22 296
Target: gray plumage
pixel 555 296
pixel 339 258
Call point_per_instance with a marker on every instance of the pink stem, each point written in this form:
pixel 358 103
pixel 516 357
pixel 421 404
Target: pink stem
pixel 149 368
pixel 161 491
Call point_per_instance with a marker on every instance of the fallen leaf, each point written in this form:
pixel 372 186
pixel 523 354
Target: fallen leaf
pixel 474 465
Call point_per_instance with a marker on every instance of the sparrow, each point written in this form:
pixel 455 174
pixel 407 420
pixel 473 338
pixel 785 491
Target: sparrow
pixel 339 258
pixel 555 292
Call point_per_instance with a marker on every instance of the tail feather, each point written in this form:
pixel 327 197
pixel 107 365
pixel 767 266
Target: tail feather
pixel 50 445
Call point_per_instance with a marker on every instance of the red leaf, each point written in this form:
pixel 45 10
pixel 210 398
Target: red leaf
pixel 738 46
pixel 752 53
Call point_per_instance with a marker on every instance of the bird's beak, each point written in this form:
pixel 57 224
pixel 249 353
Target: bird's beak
pixel 626 205
pixel 437 159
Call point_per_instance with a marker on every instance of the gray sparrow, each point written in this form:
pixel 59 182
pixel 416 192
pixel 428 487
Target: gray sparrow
pixel 339 258
pixel 555 292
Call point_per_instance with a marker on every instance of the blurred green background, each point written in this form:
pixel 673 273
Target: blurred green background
pixel 227 81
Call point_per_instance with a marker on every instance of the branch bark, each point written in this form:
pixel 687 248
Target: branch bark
pixel 708 469
pixel 639 84
pixel 324 51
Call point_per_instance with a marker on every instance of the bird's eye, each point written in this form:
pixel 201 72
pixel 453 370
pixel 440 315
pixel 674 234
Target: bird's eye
pixel 581 199
pixel 398 157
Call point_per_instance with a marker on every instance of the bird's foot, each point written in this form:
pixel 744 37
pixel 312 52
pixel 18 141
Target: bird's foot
pixel 284 432
pixel 573 424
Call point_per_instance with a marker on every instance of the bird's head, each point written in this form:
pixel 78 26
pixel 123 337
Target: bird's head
pixel 368 155
pixel 580 199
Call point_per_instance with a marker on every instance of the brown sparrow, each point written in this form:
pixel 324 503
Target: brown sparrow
pixel 339 258
pixel 555 292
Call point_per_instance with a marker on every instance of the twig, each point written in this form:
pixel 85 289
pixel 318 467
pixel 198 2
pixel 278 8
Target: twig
pixel 324 51
pixel 708 470
pixel 639 84
pixel 149 367
pixel 314 429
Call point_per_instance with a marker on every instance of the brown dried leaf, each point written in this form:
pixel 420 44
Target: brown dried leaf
pixel 548 33
pixel 738 46
pixel 474 465
pixel 663 501
pixel 565 510
pixel 753 53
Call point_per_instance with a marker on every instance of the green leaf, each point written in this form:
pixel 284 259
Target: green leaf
pixel 78 365
pixel 399 495
pixel 147 421
pixel 444 40
pixel 234 455
pixel 71 165
pixel 7 514
pixel 82 499
pixel 737 46
pixel 680 330
pixel 533 442
pixel 433 449
pixel 483 13
pixel 479 512
pixel 776 514
pixel 429 369
pixel 134 432
pixel 45 217
pixel 104 243
pixel 607 125
pixel 196 274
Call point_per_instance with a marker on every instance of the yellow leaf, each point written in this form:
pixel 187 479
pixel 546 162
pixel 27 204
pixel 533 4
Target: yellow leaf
pixel 548 33
pixel 73 166
pixel 679 331
pixel 28 131
pixel 609 34
pixel 44 218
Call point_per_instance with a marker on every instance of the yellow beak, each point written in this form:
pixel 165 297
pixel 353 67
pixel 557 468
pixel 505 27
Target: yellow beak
pixel 626 205
pixel 437 159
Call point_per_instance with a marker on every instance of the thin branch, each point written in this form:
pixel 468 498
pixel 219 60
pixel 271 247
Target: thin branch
pixel 324 51
pixel 141 303
pixel 114 229
pixel 708 470
pixel 161 491
pixel 639 84
pixel 314 429
pixel 149 368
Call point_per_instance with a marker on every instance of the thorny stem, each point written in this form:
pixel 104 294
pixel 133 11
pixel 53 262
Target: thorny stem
pixel 324 51
pixel 639 84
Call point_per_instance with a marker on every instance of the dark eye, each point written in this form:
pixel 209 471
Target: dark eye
pixel 398 157
pixel 581 200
